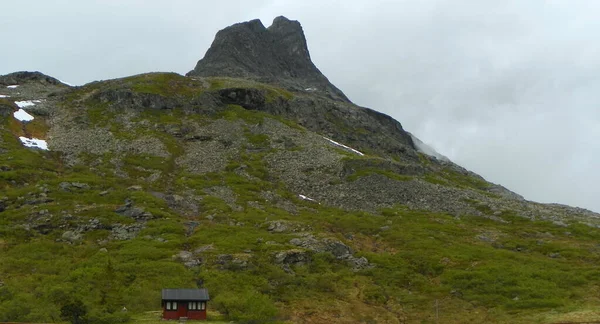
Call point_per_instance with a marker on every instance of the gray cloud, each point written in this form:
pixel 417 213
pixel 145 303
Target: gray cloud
pixel 507 89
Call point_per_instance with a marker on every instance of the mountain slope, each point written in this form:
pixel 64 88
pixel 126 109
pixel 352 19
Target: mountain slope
pixel 288 205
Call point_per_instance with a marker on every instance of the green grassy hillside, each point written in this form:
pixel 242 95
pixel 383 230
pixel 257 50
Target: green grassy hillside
pixel 175 196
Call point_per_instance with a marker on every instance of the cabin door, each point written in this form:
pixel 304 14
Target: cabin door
pixel 181 309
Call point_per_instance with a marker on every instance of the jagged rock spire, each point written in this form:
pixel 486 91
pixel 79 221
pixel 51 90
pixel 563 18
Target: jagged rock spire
pixel 278 54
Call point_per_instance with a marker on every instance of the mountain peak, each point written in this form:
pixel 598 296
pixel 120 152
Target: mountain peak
pixel 277 54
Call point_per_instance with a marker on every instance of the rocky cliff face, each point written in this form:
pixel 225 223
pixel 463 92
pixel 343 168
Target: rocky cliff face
pixel 277 55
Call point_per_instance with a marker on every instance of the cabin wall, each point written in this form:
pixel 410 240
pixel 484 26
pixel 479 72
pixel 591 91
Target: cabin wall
pixel 182 311
pixel 170 314
pixel 197 314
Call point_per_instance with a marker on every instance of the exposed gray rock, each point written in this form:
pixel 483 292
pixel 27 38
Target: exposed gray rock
pixel 123 232
pixel 359 263
pixel 212 155
pixel 226 194
pixel 204 248
pixel 294 257
pixel 127 98
pixel 71 236
pixel 232 262
pixel 278 55
pixel 188 259
pixel 338 249
pixel 128 210
pixel 284 226
pixel 73 186
pixel 22 77
pixel 92 225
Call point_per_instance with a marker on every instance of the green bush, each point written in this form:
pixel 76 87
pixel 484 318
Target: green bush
pixel 246 307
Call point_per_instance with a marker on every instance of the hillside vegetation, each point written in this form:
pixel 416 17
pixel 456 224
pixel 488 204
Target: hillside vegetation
pixel 159 181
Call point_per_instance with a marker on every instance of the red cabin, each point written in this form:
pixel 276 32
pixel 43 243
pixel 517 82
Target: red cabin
pixel 184 304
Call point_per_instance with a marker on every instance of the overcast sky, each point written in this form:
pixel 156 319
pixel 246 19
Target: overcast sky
pixel 507 89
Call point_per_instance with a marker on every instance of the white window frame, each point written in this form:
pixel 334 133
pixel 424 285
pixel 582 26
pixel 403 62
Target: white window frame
pixel 171 306
pixel 202 305
pixel 192 305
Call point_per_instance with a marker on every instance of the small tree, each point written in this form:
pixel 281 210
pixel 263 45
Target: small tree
pixel 74 311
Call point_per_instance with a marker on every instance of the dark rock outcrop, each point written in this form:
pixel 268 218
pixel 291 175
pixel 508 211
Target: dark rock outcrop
pixel 350 124
pixel 326 245
pixel 277 54
pixel 7 108
pixel 26 77
pixel 128 210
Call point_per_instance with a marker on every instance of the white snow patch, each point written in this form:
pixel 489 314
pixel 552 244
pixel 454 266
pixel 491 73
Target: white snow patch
pixel 303 197
pixel 27 103
pixel 34 142
pixel 12 86
pixel 22 115
pixel 4 96
pixel 310 89
pixel 344 146
pixel 67 83
pixel 426 149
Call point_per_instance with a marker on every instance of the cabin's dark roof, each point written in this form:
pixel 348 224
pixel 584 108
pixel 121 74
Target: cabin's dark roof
pixel 185 294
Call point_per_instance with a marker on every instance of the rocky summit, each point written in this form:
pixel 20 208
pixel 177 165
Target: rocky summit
pixel 277 55
pixel 256 178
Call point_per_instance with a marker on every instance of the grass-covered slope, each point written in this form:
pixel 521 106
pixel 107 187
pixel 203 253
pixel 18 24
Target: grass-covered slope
pixel 154 182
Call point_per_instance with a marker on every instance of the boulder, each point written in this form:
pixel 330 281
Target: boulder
pixel 128 210
pixel 232 262
pixel 122 232
pixel 328 245
pixel 284 226
pixel 295 257
pixel 71 236
pixel 204 248
pixel 188 259
pixel 73 186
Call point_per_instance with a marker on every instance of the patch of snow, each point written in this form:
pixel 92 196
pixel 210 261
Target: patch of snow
pixel 22 115
pixel 12 86
pixel 34 142
pixel 303 197
pixel 344 146
pixel 310 89
pixel 426 149
pixel 4 96
pixel 67 83
pixel 27 103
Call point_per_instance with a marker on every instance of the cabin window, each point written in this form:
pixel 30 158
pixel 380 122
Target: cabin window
pixel 192 306
pixel 202 305
pixel 171 305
